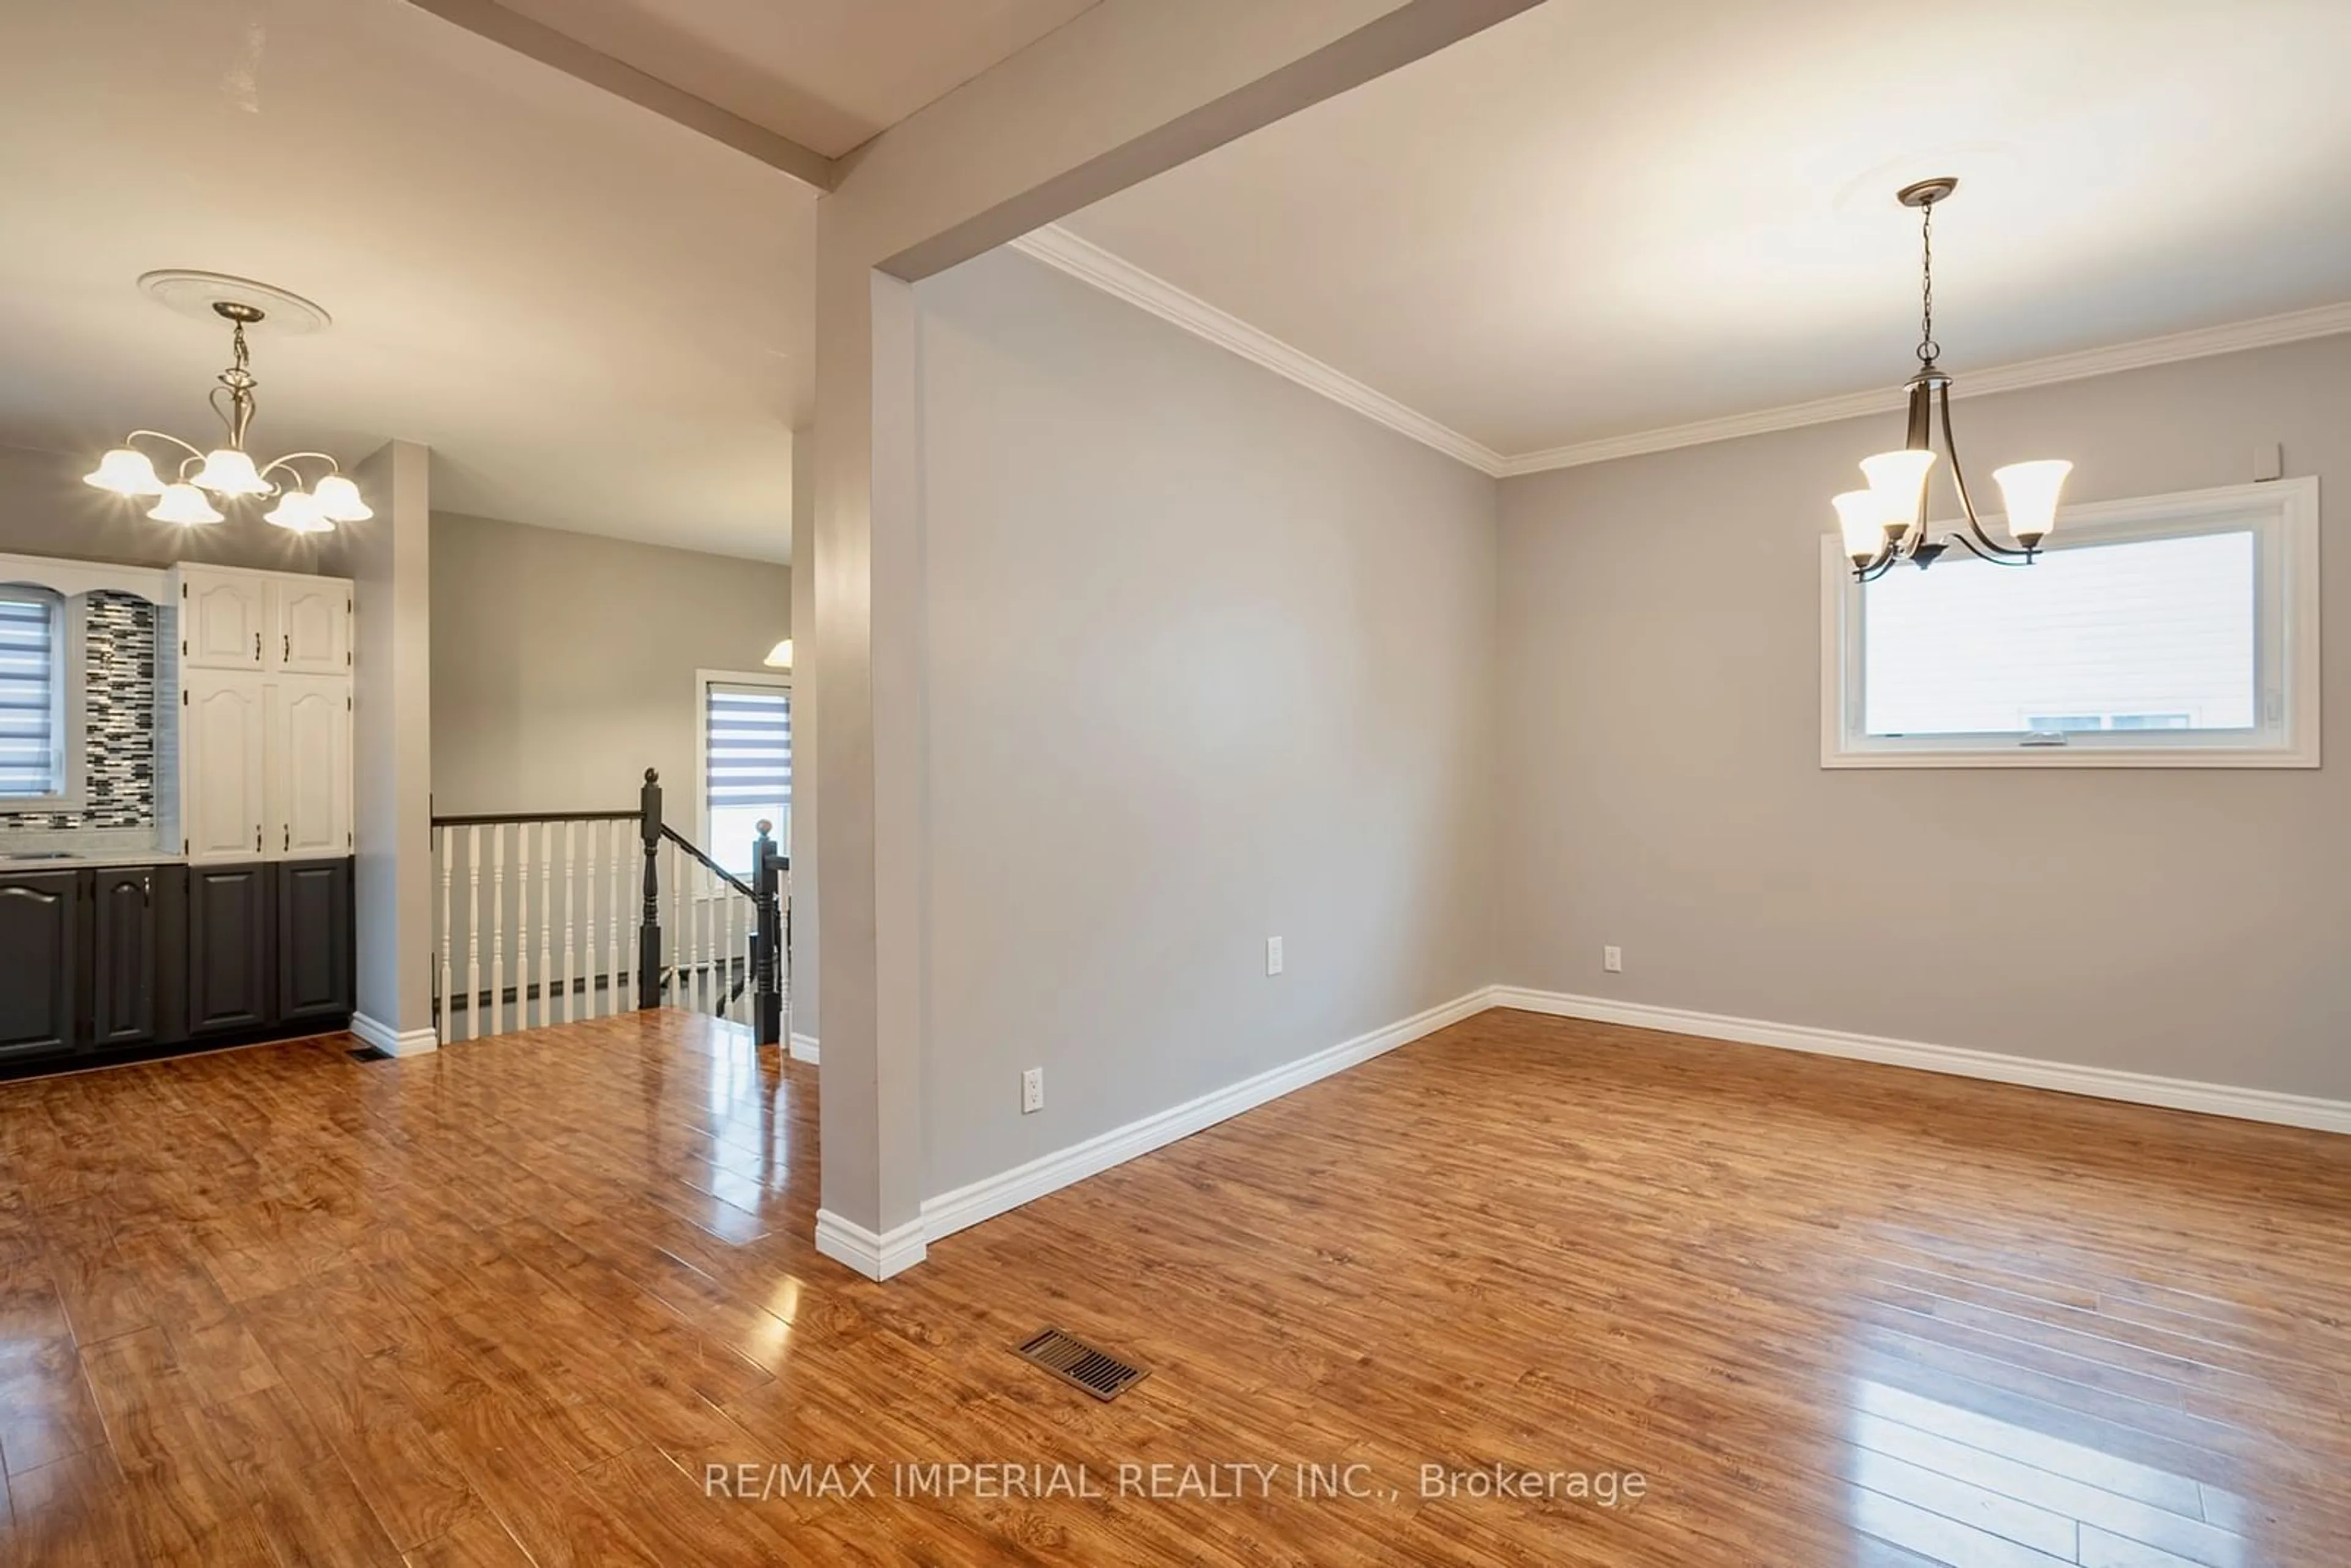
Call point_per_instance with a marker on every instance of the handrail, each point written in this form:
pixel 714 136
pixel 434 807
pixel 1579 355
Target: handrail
pixel 712 866
pixel 508 819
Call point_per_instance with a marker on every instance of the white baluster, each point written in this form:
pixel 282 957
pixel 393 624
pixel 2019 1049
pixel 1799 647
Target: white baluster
pixel 735 943
pixel 733 948
pixel 586 964
pixel 679 974
pixel 616 838
pixel 440 847
pixel 570 934
pixel 497 929
pixel 546 924
pixel 522 926
pixel 474 931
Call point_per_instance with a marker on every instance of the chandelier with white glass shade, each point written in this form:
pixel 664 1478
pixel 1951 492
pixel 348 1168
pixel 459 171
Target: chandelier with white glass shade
pixel 1885 525
pixel 303 503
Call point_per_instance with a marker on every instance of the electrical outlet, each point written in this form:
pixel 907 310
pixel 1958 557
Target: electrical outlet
pixel 1613 959
pixel 1033 1091
pixel 1273 955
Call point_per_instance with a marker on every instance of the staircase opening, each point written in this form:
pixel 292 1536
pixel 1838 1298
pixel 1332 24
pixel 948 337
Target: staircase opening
pixel 555 917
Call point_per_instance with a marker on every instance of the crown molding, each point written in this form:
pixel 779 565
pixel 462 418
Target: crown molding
pixel 2326 321
pixel 1082 258
pixel 1087 262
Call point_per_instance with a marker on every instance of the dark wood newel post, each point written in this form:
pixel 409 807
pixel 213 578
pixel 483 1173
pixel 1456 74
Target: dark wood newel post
pixel 649 937
pixel 768 1014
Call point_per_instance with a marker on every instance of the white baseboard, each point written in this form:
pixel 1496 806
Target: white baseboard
pixel 966 1205
pixel 2102 1082
pixel 804 1048
pixel 392 1042
pixel 875 1256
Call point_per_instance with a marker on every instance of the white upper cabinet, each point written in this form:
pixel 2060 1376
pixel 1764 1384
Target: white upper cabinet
pixel 265 719
pixel 232 620
pixel 224 618
pixel 221 766
pixel 307 767
pixel 310 626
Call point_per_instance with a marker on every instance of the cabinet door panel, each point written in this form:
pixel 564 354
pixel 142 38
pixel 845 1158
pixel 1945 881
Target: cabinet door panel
pixel 123 953
pixel 221 756
pixel 308 766
pixel 39 926
pixel 228 948
pixel 310 627
pixel 220 619
pixel 314 941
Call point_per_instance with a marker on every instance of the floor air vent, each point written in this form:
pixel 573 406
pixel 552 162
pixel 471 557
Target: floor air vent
pixel 368 1053
pixel 1097 1372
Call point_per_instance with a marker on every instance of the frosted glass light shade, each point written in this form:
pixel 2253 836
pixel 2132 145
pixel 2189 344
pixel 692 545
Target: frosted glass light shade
pixel 1861 515
pixel 1901 480
pixel 298 511
pixel 2031 490
pixel 779 657
pixel 126 471
pixel 184 504
pixel 340 501
pixel 229 472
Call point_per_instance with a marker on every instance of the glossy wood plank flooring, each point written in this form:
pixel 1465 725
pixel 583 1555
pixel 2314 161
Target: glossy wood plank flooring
pixel 505 1304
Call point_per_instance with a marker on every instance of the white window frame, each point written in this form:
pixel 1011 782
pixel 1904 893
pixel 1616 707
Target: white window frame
pixel 2284 518
pixel 69 716
pixel 703 680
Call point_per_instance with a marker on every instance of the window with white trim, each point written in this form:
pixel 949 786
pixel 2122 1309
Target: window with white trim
pixel 746 764
pixel 2172 632
pixel 35 739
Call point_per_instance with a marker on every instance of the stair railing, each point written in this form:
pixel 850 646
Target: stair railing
pixel 579 881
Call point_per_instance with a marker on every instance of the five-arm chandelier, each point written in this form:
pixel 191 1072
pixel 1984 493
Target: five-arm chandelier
pixel 1886 524
pixel 228 470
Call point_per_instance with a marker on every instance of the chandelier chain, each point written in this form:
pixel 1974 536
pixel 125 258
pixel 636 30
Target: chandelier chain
pixel 1929 349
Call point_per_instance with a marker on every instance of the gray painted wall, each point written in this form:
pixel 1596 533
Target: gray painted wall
pixel 563 664
pixel 1661 786
pixel 1210 660
pixel 805 967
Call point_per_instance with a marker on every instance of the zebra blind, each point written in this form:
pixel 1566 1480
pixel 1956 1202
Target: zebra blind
pixel 747 766
pixel 31 686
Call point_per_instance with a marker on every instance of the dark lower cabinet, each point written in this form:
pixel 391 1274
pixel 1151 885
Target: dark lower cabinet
pixel 229 948
pixel 124 969
pixel 40 963
pixel 314 941
pixel 100 959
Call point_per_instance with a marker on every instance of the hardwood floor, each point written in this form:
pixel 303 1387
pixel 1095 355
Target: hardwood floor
pixel 505 1304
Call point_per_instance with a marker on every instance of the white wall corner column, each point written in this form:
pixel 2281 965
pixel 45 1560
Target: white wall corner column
pixel 872 829
pixel 801 1025
pixel 388 558
pixel 1028 141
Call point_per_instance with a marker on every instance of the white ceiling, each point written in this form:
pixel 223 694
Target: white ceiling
pixel 1608 216
pixel 828 74
pixel 598 319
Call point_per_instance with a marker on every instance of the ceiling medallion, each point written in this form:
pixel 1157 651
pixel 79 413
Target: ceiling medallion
pixel 227 471
pixel 1886 523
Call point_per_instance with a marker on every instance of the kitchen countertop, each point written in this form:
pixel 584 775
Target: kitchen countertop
pixel 35 861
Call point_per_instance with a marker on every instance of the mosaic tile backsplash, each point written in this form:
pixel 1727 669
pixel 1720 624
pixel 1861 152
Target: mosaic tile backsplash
pixel 119 665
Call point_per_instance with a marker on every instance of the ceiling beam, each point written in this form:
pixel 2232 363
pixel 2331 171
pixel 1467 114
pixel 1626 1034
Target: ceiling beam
pixel 1124 90
pixel 490 20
